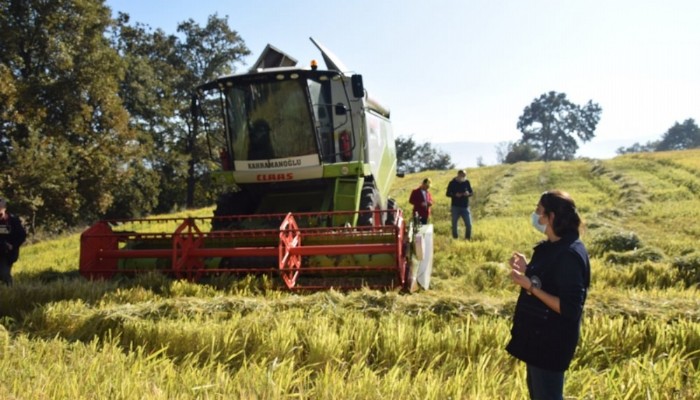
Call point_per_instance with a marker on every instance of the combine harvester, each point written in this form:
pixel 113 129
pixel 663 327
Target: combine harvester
pixel 306 163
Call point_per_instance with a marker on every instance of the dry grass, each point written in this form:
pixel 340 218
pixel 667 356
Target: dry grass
pixel 154 338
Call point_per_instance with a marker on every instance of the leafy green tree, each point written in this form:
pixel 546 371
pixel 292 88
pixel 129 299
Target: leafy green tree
pixel 95 125
pixel 66 142
pixel 551 123
pixel 147 91
pixel 502 149
pixel 162 73
pixel 680 136
pixel 638 148
pixel 205 53
pixel 10 117
pixel 413 157
pixel 512 152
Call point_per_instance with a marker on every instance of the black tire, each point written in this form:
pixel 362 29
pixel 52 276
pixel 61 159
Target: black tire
pixel 390 212
pixel 237 203
pixel 231 203
pixel 369 201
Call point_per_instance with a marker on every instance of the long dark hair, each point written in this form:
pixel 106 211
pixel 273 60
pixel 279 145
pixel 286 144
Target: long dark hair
pixel 566 218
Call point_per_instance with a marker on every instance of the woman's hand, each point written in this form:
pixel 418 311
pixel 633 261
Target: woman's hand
pixel 518 263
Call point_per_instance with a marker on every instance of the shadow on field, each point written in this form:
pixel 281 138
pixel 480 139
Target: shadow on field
pixel 50 275
pixel 33 293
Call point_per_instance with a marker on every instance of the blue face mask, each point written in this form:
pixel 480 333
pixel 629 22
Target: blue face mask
pixel 536 222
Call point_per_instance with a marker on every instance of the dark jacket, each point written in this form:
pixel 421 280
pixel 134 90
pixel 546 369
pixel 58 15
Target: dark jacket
pixel 11 231
pixel 540 336
pixel 455 187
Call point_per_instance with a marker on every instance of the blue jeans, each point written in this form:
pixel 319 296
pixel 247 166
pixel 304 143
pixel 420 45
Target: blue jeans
pixel 466 216
pixel 544 384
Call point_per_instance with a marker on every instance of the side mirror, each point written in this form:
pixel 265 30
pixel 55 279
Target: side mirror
pixel 358 89
pixel 340 109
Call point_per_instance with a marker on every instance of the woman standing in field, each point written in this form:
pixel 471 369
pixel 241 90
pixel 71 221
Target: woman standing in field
pixel 554 285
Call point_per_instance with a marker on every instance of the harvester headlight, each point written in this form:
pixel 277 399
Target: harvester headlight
pixel 279 77
pixel 344 170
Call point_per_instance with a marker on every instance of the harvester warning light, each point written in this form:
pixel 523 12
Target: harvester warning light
pixel 314 65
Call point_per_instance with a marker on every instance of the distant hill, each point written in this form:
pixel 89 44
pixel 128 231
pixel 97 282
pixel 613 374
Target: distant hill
pixel 466 154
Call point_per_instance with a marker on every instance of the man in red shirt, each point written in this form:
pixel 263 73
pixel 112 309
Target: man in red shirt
pixel 422 200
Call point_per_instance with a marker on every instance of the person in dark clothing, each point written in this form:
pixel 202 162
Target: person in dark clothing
pixel 554 285
pixel 260 147
pixel 459 190
pixel 422 200
pixel 12 235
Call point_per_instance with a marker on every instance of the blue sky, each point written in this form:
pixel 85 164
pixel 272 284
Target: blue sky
pixel 464 70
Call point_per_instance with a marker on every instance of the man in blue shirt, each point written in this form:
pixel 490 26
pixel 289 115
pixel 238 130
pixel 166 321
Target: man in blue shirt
pixel 459 190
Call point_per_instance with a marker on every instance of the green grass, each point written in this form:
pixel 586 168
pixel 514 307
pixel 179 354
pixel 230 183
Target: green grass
pixel 62 337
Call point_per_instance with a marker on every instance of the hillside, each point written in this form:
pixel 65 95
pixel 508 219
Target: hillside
pixel 470 154
pixel 636 204
pixel 154 338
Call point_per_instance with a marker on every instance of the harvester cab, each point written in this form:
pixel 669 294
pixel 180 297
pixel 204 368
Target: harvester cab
pixel 307 160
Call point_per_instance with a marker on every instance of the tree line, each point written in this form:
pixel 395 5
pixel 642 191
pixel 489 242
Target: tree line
pixel 95 115
pixel 94 111
pixel 677 137
pixel 551 127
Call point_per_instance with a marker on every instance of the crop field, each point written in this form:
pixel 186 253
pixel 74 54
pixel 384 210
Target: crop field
pixel 150 337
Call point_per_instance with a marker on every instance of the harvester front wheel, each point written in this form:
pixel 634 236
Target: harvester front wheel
pixel 230 203
pixel 390 212
pixel 369 201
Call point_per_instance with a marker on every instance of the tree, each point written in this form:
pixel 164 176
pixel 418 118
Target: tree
pixel 162 72
pixel 66 143
pixel 413 157
pixel 638 148
pixel 512 152
pixel 147 91
pixel 205 53
pixel 550 122
pixel 680 136
pixel 95 125
pixel 502 149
